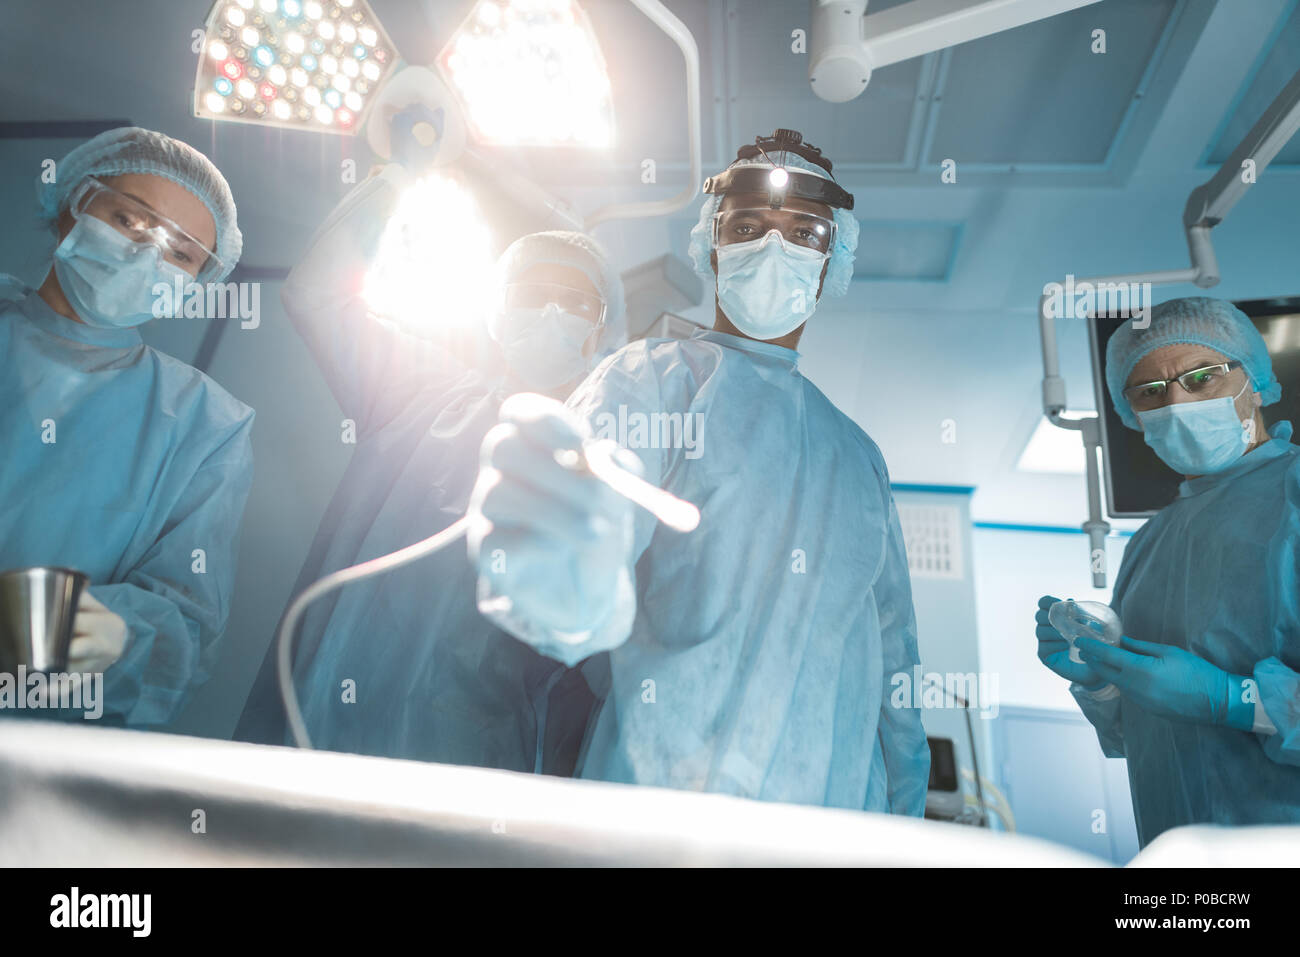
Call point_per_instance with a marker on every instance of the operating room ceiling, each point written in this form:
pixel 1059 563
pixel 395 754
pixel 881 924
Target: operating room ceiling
pixel 1067 161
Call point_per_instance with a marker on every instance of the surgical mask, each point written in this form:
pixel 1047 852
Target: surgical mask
pixel 108 279
pixel 768 287
pixel 1198 438
pixel 543 347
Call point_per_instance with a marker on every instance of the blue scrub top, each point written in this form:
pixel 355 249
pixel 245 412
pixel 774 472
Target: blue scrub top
pixel 764 644
pixel 132 467
pixel 1216 572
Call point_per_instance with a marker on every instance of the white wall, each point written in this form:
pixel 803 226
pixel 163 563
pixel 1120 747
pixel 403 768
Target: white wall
pixel 1013 569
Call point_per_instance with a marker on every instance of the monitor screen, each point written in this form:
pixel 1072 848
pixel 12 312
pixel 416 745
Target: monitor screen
pixel 943 765
pixel 1138 484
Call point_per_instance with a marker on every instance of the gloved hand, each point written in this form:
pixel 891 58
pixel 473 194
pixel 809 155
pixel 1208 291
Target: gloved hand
pixel 412 104
pixel 1054 650
pixel 552 540
pixel 98 636
pixel 1164 679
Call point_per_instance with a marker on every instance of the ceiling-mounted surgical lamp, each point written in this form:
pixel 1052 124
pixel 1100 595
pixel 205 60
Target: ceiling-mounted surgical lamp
pixel 530 73
pixel 311 65
pixel 845 45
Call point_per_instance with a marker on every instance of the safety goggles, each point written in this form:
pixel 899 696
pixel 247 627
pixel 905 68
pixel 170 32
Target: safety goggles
pixel 538 295
pixel 802 229
pixel 141 224
pixel 1207 382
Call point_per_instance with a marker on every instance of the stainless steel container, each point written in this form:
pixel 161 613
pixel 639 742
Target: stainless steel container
pixel 37 608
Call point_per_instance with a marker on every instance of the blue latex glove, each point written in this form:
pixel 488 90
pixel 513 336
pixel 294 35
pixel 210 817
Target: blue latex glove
pixel 550 540
pixel 407 148
pixel 1054 650
pixel 1170 681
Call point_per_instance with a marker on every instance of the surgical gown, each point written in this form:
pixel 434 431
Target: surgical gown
pixel 403 665
pixel 1217 572
pixel 133 468
pixel 763 643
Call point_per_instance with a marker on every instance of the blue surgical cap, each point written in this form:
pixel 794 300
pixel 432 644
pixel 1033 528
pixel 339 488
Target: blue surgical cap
pixel 840 270
pixel 583 253
pixel 1197 320
pixel 130 149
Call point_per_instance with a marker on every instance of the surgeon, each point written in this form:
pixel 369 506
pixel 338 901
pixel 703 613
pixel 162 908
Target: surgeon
pixel 119 461
pixel 404 665
pixel 1202 696
pixel 754 655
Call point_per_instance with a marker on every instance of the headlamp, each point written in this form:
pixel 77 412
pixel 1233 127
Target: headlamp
pixel 778 184
pixel 778 181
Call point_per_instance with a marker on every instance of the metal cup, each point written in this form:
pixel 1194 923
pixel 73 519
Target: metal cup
pixel 37 608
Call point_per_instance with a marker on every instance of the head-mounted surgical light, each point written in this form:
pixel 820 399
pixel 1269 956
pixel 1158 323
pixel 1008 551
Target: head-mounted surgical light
pixel 778 181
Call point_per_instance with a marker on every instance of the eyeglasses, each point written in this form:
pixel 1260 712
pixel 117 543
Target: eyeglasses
pixel 802 229
pixel 1203 383
pixel 537 295
pixel 141 224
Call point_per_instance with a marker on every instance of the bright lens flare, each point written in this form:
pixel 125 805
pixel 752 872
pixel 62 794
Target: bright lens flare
pixel 531 73
pixel 434 260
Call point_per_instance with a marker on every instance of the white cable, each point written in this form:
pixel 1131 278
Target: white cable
pixel 344 576
pixel 596 457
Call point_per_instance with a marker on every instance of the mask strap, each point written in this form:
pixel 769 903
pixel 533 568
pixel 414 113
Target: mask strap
pixel 1247 425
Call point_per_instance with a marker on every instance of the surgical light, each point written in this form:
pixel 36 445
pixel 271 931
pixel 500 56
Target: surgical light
pixel 434 260
pixel 262 57
pixel 530 73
